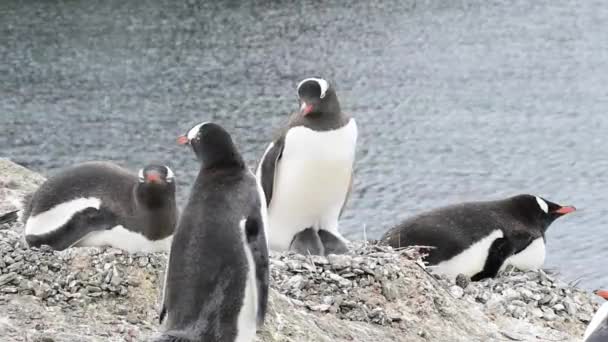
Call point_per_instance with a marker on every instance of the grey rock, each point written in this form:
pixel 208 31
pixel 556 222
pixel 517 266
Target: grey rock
pixel 559 307
pixel 549 314
pixel 319 307
pixel 457 291
pixel 294 265
pixel 389 291
pixel 462 280
pixel 296 282
pixel 483 297
pixel 9 289
pixel 8 278
pixel 339 262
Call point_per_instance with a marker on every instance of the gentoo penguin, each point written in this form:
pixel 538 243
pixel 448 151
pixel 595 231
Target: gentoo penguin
pixel 479 238
pixel 103 204
pixel 306 173
pixel 216 284
pixel 597 331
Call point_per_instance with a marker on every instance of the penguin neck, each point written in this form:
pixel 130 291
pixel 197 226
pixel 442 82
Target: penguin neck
pixel 152 197
pixel 221 158
pixel 155 211
pixel 326 117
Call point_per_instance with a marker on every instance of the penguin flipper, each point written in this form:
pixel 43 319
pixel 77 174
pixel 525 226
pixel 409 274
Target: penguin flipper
pixel 9 217
pixel 77 228
pixel 331 243
pixel 307 242
pixel 348 192
pixel 499 251
pixel 163 314
pixel 268 166
pixel 256 239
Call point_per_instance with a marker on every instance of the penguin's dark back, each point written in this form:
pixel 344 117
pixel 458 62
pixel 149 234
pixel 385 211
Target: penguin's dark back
pixel 105 181
pixel 454 228
pixel 207 267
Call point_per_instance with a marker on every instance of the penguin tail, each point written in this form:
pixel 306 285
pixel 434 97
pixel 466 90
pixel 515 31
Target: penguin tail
pixel 9 217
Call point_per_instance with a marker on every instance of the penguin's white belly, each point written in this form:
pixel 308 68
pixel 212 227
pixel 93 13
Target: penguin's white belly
pixel 119 237
pixel 531 258
pixel 597 319
pixel 247 319
pixel 59 215
pixel 312 181
pixel 471 260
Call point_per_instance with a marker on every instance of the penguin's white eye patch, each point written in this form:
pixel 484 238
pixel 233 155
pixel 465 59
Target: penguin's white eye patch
pixel 542 204
pixel 323 84
pixel 193 132
pixel 140 175
pixel 170 174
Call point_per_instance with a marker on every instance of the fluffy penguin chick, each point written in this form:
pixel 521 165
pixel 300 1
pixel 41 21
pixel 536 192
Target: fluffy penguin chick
pixel 216 287
pixel 103 204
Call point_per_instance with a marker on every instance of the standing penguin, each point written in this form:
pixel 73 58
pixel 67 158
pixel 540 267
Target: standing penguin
pixel 307 173
pixel 479 238
pixel 103 204
pixel 597 331
pixel 216 285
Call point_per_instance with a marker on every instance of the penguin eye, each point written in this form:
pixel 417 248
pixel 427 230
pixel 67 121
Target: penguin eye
pixel 141 177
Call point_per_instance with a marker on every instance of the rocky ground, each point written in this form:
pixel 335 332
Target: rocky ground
pixel 372 294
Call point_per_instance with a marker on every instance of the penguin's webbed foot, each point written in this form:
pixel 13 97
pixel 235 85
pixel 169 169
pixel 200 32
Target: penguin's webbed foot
pixel 331 243
pixel 307 242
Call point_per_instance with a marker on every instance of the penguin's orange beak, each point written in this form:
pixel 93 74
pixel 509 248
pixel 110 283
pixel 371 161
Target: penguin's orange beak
pixel 565 210
pixel 306 108
pixel 602 293
pixel 153 177
pixel 183 140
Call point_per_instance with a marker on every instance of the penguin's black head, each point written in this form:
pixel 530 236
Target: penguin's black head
pixel 212 145
pixel 317 97
pixel 156 185
pixel 156 174
pixel 538 210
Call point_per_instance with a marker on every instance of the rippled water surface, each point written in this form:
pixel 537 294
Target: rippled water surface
pixel 458 100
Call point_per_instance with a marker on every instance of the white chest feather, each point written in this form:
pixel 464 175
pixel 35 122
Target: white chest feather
pixel 57 216
pixel 531 258
pixel 130 241
pixel 471 260
pixel 305 143
pixel 598 318
pixel 311 181
pixel 247 320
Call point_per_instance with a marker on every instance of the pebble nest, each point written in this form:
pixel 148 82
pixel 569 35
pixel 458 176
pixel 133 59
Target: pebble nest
pixel 42 272
pixel 357 286
pixel 112 291
pixel 534 296
pixel 353 286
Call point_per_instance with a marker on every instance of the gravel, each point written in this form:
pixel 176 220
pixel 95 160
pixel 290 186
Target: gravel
pixel 374 293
